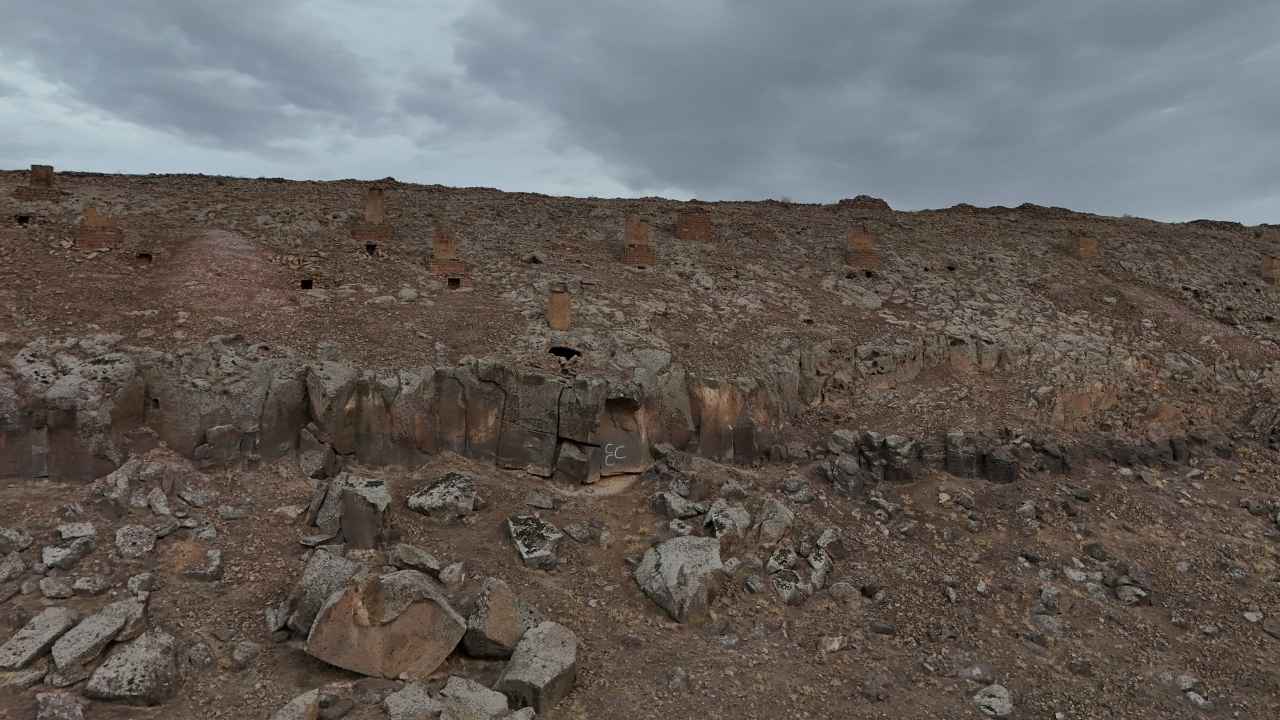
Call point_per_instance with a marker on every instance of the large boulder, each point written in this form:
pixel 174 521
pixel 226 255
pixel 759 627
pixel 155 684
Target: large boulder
pixel 543 668
pixel 681 575
pixel 396 625
pixel 141 672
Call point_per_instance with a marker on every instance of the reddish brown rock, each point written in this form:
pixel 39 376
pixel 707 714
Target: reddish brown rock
pixel 395 626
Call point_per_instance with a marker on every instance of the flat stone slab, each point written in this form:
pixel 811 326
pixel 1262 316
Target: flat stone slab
pixel 36 637
pixel 87 639
pixel 141 672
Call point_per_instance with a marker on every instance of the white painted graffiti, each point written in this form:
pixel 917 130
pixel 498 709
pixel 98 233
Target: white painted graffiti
pixel 612 453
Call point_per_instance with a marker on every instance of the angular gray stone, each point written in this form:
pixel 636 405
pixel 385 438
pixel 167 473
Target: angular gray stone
pixel 726 520
pixel 493 621
pixel 143 582
pixel 134 542
pixel 536 540
pixel 671 505
pixel 410 557
pixel 465 699
pixel 13 540
pixel 543 668
pixel 325 574
pixel 12 567
pixel 681 575
pixel 71 531
pixel 141 672
pixel 158 502
pixel 414 702
pixel 65 555
pixel 58 706
pixel 449 498
pixel 244 653
pixel 87 639
pixel 775 521
pixel 56 588
pixel 36 637
pixel 994 701
pixel 363 502
pixel 91 585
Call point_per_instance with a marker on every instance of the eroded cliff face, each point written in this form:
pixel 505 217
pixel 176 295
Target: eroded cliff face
pixel 76 409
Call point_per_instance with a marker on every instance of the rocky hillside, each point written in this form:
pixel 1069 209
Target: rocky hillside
pixel 274 449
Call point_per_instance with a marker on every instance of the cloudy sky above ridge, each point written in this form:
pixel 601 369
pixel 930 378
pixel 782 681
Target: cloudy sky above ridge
pixel 1161 108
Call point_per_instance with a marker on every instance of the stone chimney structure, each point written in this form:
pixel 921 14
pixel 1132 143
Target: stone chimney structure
pixel 861 249
pixel 39 185
pixel 1086 247
pixel 97 231
pixel 637 251
pixel 373 232
pixel 445 262
pixel 558 310
pixel 695 226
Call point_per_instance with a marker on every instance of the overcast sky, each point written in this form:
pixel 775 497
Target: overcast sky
pixel 1161 108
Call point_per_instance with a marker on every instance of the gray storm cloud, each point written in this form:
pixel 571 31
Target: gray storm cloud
pixel 1166 108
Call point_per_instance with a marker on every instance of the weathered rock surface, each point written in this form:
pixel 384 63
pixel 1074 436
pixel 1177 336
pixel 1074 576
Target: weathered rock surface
pixel 87 639
pixel 396 625
pixel 413 702
pixel 66 554
pixel 536 540
pixel 141 672
pixel 543 668
pixel 681 575
pixel 493 621
pixel 465 699
pixel 324 575
pixel 36 637
pixel 12 567
pixel 135 541
pixel 364 502
pixel 58 706
pixel 449 498
pixel 14 540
